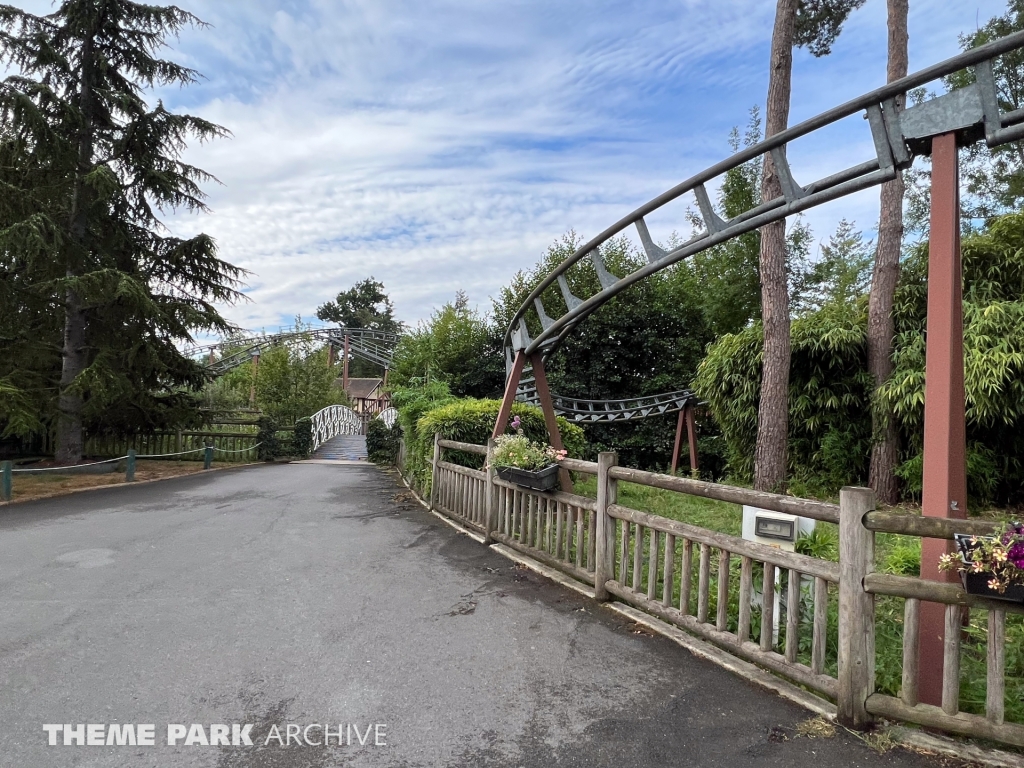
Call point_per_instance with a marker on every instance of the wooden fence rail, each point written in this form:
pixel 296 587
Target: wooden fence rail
pixel 235 446
pixel 809 620
pixel 948 716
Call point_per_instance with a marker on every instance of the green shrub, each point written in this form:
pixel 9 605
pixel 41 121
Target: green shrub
pixel 266 436
pixel 412 402
pixel 830 396
pixel 382 442
pixel 471 421
pixel 822 542
pixel 904 558
pixel 302 442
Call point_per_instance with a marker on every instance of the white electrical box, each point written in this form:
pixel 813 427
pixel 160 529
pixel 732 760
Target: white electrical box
pixel 774 528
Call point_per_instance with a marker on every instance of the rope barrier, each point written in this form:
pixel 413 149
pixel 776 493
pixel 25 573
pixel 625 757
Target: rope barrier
pixel 165 455
pixel 241 450
pixel 74 467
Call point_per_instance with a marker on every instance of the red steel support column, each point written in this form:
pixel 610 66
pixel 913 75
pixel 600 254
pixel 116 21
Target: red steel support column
pixel 510 395
pixel 252 382
pixel 330 355
pixel 679 440
pixel 691 435
pixel 945 450
pixel 550 419
pixel 344 374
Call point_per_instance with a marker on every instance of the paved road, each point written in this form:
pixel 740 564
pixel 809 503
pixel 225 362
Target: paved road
pixel 311 594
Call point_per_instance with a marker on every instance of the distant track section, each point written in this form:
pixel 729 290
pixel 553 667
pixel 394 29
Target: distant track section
pixel 376 346
pixel 379 347
pixel 584 411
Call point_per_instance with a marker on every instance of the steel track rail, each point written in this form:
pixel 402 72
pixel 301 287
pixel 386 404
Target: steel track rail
pixel 375 346
pixel 898 137
pixel 609 411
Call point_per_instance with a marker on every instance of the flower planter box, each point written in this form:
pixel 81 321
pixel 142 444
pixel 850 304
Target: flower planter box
pixel 538 480
pixel 977 583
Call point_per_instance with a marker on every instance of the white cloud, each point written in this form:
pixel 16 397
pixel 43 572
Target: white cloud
pixel 442 146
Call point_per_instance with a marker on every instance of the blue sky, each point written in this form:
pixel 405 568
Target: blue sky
pixel 441 146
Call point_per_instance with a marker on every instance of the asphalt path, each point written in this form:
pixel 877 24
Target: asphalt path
pixel 307 594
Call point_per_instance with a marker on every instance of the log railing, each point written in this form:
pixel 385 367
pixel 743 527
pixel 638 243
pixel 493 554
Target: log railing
pixel 685 575
pixel 814 622
pixel 555 528
pixel 948 717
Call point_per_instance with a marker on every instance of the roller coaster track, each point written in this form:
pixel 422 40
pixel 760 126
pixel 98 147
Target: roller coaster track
pixel 608 411
pixel 375 346
pixel 378 347
pixel 972 113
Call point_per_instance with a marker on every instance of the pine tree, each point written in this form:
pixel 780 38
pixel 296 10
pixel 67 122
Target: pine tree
pixel 886 276
pixel 364 305
pixel 93 168
pixel 814 24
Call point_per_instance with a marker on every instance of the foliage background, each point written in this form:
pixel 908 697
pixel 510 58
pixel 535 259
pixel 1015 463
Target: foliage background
pixel 830 397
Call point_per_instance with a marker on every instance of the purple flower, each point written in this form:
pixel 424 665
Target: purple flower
pixel 1014 541
pixel 1016 555
pixel 515 422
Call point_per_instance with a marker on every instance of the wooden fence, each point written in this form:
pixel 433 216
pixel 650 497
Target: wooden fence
pixel 957 603
pixel 232 446
pixel 713 585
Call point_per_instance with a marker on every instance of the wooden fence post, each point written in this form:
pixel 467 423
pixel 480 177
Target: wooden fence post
pixel 490 497
pixel 129 471
pixel 6 476
pixel 208 457
pixel 604 549
pixel 856 608
pixel 434 471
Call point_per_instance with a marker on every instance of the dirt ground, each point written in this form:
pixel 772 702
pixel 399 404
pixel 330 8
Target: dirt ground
pixel 42 485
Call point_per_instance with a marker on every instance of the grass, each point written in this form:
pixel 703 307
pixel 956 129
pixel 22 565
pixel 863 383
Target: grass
pixel 695 510
pixel 894 554
pixel 45 485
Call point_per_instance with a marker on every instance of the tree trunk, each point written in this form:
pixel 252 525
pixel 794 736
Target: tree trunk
pixel 773 411
pixel 69 425
pixel 69 443
pixel 881 328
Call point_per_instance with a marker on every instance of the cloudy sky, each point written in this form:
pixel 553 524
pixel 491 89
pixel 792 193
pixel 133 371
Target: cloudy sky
pixel 442 145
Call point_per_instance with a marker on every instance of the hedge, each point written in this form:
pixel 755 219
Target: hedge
pixel 382 441
pixel 471 421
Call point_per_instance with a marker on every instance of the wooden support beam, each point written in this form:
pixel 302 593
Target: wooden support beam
pixel 857 607
pixel 607 493
pixel 255 375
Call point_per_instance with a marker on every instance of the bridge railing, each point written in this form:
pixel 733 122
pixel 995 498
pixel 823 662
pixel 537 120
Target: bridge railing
pixel 816 628
pixel 335 420
pixel 389 416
